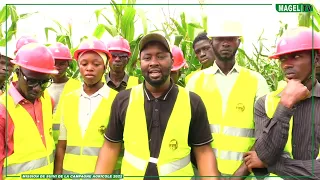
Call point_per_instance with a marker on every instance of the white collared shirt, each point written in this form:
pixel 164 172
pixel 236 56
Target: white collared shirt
pixel 87 107
pixel 225 83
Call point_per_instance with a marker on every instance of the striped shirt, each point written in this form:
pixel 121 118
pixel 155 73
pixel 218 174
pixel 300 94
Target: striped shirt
pixel 272 136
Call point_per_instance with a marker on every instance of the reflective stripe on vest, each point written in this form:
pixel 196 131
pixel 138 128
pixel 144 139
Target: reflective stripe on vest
pixel 228 155
pixel 71 85
pixel 31 155
pixel 174 156
pixel 84 149
pixel 27 166
pixel 163 169
pixel 89 151
pixel 233 131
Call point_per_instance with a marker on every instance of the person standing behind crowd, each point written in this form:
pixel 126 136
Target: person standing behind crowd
pixel 117 78
pixel 203 49
pixel 6 68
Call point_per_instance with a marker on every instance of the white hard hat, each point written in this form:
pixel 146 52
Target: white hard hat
pixel 225 29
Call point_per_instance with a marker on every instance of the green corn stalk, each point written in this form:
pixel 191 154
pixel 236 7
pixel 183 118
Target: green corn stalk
pixel 9 11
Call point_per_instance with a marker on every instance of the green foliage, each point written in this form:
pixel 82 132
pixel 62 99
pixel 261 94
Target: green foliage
pixel 9 11
pixel 125 19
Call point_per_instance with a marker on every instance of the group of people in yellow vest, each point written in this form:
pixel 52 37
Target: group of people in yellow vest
pixel 224 124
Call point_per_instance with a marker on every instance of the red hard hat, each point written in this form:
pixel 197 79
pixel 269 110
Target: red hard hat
pixel 23 41
pixel 178 58
pixel 35 57
pixel 298 39
pixel 119 44
pixel 94 45
pixel 60 51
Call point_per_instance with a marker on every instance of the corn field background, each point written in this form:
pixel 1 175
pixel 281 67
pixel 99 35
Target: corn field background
pixel 124 21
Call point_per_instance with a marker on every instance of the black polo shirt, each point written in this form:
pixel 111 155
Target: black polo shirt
pixel 157 111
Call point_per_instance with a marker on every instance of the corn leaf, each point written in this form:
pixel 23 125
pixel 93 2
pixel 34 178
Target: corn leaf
pixel 177 40
pixel 4 40
pixel 99 31
pixel 98 13
pixel 179 27
pixel 183 20
pixel 205 22
pixel 195 25
pixel 111 30
pixel 107 19
pixel 46 31
pixel 143 18
pixel 26 15
pixel 127 24
pixel 4 14
pixel 13 12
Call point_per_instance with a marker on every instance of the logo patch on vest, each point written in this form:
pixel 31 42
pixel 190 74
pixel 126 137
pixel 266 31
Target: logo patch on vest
pixel 102 130
pixel 240 107
pixel 50 132
pixel 173 144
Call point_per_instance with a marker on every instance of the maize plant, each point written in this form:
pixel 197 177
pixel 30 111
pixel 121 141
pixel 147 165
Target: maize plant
pixel 10 29
pixel 124 20
pixel 123 24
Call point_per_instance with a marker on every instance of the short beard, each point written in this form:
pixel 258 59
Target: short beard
pixel 225 59
pixel 157 83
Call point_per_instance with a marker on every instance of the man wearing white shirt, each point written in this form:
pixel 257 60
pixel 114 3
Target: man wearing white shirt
pixel 84 113
pixel 229 93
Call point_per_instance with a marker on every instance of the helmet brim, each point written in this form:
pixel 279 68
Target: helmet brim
pixel 36 69
pixel 277 55
pixel 176 68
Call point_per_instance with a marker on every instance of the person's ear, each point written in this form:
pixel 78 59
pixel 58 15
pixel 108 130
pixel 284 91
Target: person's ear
pixel 172 61
pixel 239 41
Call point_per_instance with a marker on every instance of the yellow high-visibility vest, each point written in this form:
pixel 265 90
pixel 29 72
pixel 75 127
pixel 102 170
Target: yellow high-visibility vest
pixel 30 155
pixel 132 81
pixel 233 133
pixel 188 77
pixel 14 77
pixel 174 157
pixel 72 84
pixel 82 152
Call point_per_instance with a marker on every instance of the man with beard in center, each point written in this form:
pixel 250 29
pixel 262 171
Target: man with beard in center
pixel 159 122
pixel 229 92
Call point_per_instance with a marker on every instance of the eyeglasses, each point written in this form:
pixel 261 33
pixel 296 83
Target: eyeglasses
pixel 122 57
pixel 35 82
